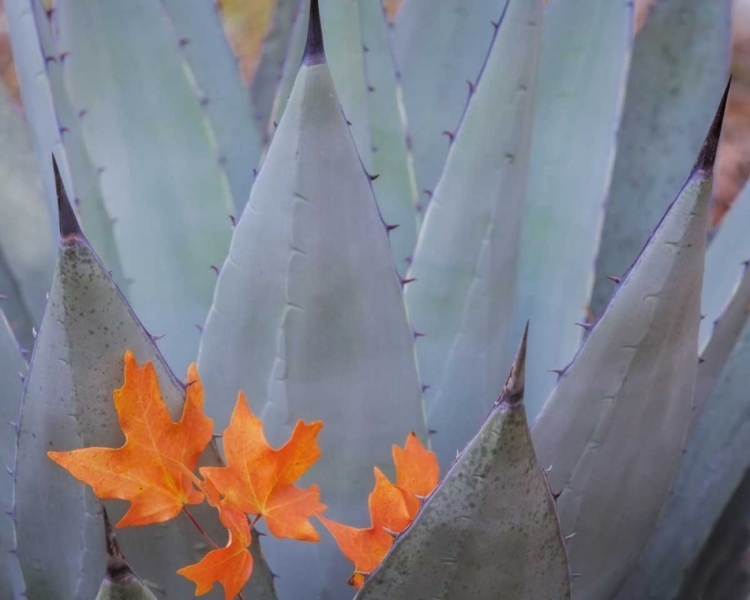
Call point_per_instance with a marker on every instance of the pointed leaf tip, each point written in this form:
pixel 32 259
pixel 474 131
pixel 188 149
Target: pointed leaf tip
pixel 118 569
pixel 314 52
pixel 68 222
pixel 512 393
pixel 113 547
pixel 707 156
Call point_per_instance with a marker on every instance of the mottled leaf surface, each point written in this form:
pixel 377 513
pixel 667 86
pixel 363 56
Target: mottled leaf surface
pixel 465 262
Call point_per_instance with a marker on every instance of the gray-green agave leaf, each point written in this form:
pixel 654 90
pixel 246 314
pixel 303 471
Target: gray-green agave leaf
pixel 310 307
pixel 437 53
pixel 464 266
pixel 161 176
pixel 680 62
pixel 582 71
pixel 67 404
pixel 613 429
pixel 120 581
pixel 489 530
pixel 12 369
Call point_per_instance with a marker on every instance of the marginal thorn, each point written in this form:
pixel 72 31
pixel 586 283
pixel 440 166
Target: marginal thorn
pixel 431 431
pixel 548 470
pixel 451 135
pixel 586 326
pixel 215 269
pixel 370 89
pixel 69 226
pixel 425 388
pixel 427 193
pixel 495 24
pixel 156 338
pixel 701 360
pixel 555 496
pixel 617 280
pixel 372 177
pixel 471 88
pixel 570 537
pixel 409 280
pixel 183 42
pixel 199 327
pixel 393 534
pixel 233 220
pixel 557 371
pixel 417 335
pixel 49 59
pixel 390 228
pixel 255 172
pixel 576 575
pixel 64 55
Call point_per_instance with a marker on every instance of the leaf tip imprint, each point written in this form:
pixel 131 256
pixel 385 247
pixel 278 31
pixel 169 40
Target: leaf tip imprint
pixel 707 156
pixel 314 52
pixel 69 226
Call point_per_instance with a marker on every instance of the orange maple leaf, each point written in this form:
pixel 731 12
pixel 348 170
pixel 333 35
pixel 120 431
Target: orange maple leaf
pixel 231 565
pixel 417 472
pixel 367 547
pixel 143 470
pixel 258 480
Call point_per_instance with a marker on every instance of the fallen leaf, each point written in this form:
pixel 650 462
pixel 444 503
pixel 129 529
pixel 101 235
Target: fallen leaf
pixel 367 547
pixel 231 565
pixel 417 472
pixel 258 480
pixel 142 471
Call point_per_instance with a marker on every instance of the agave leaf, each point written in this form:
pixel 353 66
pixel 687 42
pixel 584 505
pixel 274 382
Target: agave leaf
pixel 465 262
pixel 120 581
pixel 12 368
pixel 226 102
pixel 438 52
pixel 680 62
pixel 162 180
pixel 309 303
pixel 614 427
pixel 490 529
pixel 26 239
pixel 714 464
pixel 271 67
pixel 67 142
pixel 721 570
pixel 396 186
pixel 726 296
pixel 365 80
pixel 67 404
pixel 583 66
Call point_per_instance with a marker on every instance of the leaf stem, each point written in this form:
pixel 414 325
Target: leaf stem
pixel 202 531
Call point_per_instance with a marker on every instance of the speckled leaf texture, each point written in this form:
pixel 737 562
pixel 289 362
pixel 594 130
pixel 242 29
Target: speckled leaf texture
pixel 489 530
pixel 67 404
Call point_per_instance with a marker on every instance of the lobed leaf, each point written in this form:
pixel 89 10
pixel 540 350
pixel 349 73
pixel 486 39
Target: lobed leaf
pixel 76 364
pixel 464 266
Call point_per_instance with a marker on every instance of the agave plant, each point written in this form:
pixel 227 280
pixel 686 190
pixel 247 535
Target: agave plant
pixel 384 235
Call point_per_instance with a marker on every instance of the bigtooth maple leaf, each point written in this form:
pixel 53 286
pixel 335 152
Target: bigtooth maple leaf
pixel 417 472
pixel 146 469
pixel 367 547
pixel 258 480
pixel 231 565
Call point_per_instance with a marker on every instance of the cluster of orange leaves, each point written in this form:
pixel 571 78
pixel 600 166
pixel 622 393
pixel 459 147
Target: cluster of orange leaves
pixel 154 471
